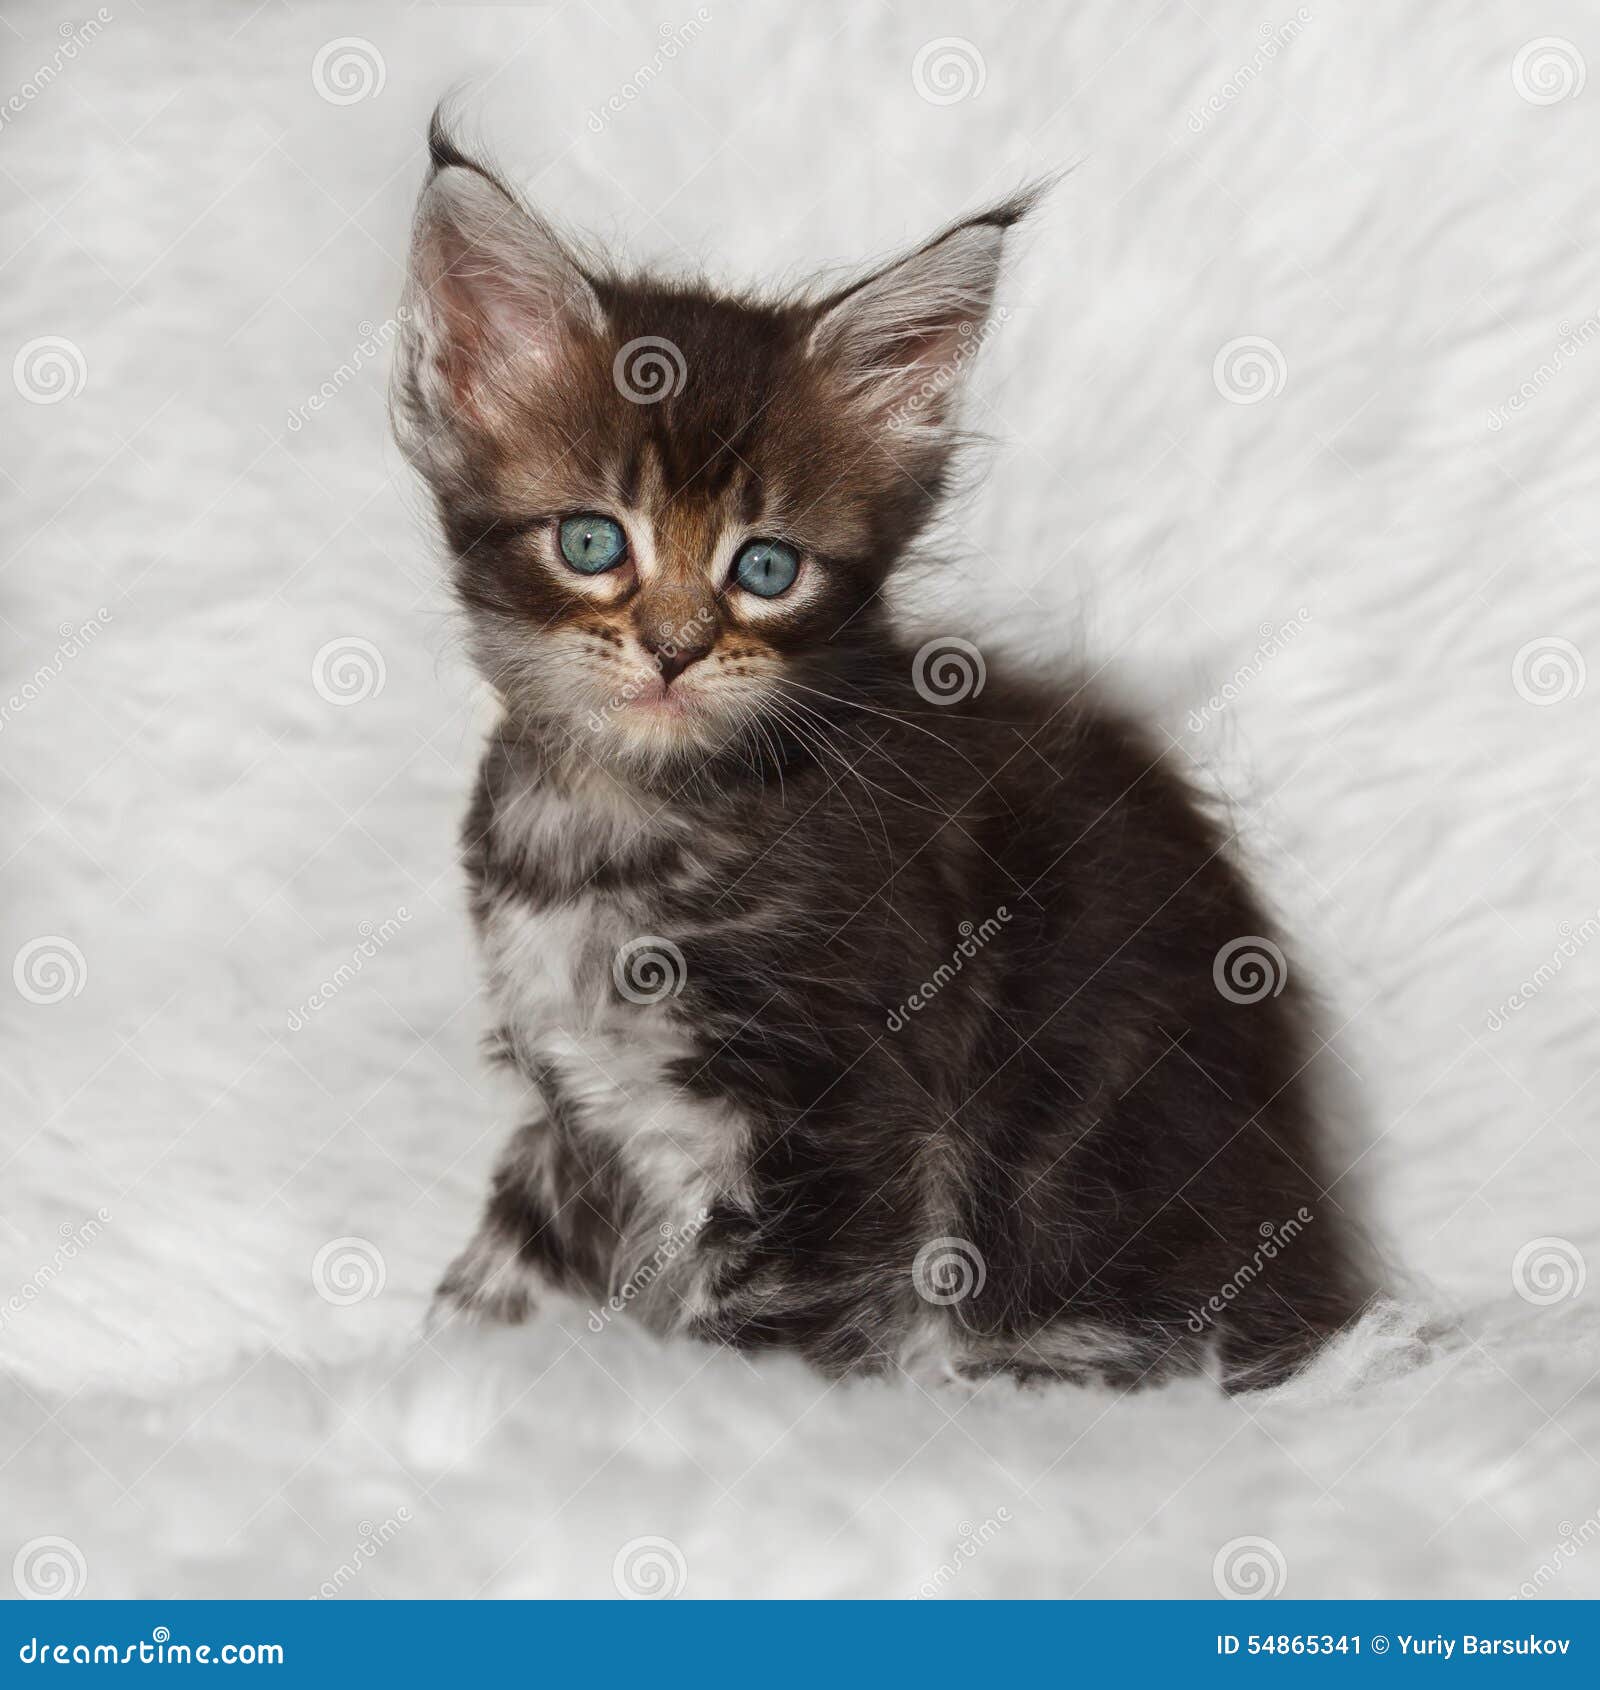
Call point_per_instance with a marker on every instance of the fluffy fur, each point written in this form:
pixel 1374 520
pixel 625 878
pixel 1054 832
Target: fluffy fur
pixel 184 805
pixel 1066 1153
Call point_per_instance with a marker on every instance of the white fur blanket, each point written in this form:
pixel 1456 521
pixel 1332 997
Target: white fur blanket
pixel 1347 562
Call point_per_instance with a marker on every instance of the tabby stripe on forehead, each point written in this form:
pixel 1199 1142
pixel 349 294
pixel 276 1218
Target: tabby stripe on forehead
pixel 687 459
pixel 632 474
pixel 752 498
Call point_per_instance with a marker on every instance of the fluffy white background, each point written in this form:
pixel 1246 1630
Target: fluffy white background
pixel 1380 202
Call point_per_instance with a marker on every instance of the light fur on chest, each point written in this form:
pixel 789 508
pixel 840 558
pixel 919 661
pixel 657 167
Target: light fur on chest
pixel 552 970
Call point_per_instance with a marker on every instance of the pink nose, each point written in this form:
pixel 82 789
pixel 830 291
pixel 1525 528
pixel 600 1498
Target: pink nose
pixel 674 656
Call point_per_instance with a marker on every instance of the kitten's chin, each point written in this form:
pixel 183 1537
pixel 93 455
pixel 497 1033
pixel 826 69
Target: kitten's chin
pixel 660 728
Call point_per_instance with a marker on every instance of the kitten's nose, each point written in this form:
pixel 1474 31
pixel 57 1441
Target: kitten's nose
pixel 674 655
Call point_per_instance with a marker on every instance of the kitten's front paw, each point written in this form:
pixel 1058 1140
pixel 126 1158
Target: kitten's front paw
pixel 486 1282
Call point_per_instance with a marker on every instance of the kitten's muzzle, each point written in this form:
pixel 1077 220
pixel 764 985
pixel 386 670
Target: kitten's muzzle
pixel 673 657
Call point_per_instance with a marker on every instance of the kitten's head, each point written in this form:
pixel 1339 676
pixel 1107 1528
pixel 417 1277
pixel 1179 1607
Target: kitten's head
pixel 670 511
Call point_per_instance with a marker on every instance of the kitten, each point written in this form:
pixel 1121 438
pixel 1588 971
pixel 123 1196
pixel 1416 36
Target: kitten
pixel 858 1011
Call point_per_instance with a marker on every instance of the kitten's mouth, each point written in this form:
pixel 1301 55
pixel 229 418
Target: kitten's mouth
pixel 663 702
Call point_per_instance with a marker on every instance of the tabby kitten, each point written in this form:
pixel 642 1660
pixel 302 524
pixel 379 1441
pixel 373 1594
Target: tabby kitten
pixel 857 1013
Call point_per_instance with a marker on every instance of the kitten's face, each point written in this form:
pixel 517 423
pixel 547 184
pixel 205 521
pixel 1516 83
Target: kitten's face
pixel 657 567
pixel 671 512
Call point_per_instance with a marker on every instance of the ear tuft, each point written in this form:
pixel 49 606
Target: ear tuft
pixel 903 337
pixel 442 149
pixel 495 300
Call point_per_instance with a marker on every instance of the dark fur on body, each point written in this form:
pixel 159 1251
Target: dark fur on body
pixel 1102 1136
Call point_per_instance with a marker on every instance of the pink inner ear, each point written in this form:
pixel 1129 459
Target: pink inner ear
pixel 494 324
pixel 917 375
pixel 928 352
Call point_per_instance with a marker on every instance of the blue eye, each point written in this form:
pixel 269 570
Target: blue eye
pixel 766 568
pixel 592 544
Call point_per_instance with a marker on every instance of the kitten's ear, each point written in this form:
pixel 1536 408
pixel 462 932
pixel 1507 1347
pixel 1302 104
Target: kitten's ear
pixel 903 337
pixel 494 299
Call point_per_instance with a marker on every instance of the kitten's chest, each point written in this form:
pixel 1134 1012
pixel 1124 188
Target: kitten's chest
pixel 576 920
pixel 566 908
